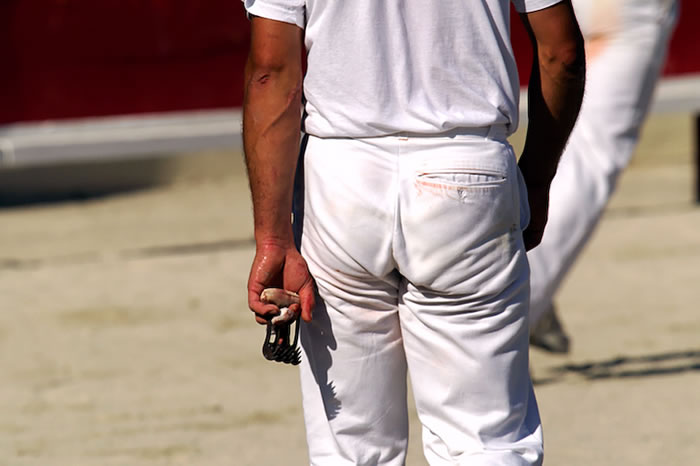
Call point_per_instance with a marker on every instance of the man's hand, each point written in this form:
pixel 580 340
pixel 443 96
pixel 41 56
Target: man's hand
pixel 279 266
pixel 538 199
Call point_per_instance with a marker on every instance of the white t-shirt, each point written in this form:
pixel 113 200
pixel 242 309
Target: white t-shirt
pixel 379 67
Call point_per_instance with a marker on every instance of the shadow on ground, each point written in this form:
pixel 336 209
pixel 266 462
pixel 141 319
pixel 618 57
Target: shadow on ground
pixel 622 367
pixel 79 181
pixel 233 244
pixel 86 180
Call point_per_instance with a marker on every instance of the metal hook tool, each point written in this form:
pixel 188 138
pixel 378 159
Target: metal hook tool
pixel 279 344
pixel 280 338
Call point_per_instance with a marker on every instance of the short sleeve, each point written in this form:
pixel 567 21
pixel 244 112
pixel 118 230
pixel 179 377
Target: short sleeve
pixel 528 6
pixel 287 11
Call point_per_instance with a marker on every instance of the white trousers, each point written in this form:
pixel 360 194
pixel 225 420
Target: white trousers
pixel 415 244
pixel 626 42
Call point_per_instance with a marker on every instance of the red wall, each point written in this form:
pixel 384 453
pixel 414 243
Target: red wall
pixel 684 53
pixel 82 58
pixel 78 58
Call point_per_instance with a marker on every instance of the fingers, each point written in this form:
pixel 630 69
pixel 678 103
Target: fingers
pixel 262 320
pixel 279 297
pixel 263 311
pixel 297 278
pixel 296 303
pixel 308 300
pixel 274 274
pixel 532 238
pixel 287 315
pixel 532 235
pixel 286 301
pixel 255 288
pixel 538 198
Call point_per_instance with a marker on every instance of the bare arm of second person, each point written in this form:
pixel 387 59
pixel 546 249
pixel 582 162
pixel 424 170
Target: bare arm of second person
pixel 555 92
pixel 271 134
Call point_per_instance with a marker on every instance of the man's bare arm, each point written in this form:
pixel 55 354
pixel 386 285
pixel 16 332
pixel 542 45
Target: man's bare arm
pixel 271 132
pixel 271 123
pixel 555 93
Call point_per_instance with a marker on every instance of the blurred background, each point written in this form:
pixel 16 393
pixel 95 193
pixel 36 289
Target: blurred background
pixel 126 236
pixel 113 80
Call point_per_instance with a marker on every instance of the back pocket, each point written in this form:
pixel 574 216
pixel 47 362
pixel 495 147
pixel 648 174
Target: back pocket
pixel 460 184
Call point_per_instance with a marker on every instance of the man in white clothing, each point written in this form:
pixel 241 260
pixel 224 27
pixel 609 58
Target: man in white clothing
pixel 626 43
pixel 410 214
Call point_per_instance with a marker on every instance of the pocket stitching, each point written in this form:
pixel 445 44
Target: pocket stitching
pixel 430 181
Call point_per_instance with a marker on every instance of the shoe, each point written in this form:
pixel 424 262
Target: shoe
pixel 549 335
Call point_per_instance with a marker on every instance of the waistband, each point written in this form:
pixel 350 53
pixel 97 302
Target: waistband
pixel 497 132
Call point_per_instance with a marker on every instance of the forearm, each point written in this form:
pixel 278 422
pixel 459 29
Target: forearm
pixel 555 93
pixel 271 132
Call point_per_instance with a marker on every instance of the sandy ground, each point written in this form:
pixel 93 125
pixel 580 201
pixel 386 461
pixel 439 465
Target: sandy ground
pixel 125 338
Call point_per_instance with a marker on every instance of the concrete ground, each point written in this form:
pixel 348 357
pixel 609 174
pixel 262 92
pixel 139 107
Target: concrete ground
pixel 125 337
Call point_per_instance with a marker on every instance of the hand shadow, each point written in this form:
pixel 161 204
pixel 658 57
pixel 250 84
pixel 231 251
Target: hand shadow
pixel 318 341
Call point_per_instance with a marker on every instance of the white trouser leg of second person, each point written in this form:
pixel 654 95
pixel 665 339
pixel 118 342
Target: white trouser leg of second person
pixel 626 43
